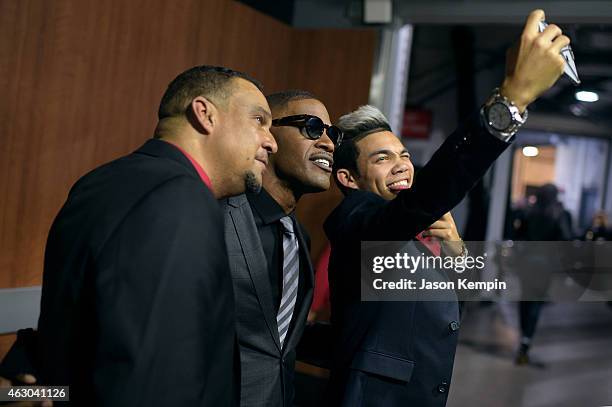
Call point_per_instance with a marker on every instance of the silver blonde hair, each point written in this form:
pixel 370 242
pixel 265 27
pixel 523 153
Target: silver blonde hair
pixel 363 121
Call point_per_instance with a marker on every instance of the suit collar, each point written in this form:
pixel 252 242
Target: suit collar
pixel 352 201
pixel 160 148
pixel 237 201
pixel 268 209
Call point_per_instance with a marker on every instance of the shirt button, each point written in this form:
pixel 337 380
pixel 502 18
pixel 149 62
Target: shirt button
pixel 454 326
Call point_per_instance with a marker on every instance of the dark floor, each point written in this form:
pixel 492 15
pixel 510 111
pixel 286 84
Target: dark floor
pixel 572 360
pixel 572 354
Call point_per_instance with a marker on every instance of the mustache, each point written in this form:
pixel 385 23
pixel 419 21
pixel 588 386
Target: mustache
pixel 263 156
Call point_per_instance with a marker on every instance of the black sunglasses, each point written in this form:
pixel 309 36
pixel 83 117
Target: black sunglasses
pixel 313 126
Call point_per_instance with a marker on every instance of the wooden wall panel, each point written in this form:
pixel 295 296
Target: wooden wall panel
pixel 336 65
pixel 81 81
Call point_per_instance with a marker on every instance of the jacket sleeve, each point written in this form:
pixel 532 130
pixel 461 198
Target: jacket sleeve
pixel 453 170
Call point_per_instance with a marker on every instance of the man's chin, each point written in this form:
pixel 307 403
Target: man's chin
pixel 316 186
pixel 252 183
pixel 390 194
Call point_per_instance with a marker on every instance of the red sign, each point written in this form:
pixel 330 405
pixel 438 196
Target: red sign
pixel 417 123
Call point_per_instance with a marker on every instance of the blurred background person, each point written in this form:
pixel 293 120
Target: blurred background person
pixel 599 229
pixel 545 220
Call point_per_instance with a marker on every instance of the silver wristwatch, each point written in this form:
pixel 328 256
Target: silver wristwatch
pixel 501 117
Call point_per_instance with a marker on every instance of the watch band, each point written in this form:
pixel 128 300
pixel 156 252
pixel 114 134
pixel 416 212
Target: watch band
pixel 517 119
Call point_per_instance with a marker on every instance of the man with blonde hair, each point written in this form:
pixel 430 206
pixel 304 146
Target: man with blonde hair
pixel 401 353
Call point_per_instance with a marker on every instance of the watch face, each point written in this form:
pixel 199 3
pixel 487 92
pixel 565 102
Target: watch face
pixel 499 116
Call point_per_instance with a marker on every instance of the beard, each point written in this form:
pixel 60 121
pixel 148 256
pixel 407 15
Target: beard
pixel 251 183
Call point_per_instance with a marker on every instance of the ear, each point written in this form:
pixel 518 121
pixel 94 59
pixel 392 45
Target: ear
pixel 204 113
pixel 345 178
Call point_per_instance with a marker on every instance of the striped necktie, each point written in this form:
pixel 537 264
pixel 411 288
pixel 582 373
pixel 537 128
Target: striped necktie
pixel 291 267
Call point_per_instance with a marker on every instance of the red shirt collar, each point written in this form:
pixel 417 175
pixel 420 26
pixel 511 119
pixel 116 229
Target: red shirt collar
pixel 203 176
pixel 433 245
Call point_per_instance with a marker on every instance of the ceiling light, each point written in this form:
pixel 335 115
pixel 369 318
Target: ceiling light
pixel 587 96
pixel 530 151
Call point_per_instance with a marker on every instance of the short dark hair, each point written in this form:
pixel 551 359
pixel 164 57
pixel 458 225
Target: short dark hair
pixel 209 81
pixel 356 126
pixel 279 100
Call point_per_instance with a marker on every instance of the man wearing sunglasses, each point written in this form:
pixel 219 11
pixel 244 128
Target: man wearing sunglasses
pixel 313 126
pixel 401 353
pixel 269 251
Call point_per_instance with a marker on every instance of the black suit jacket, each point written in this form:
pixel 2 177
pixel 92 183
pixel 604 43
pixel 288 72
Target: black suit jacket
pixel 399 353
pixel 137 306
pixel 267 371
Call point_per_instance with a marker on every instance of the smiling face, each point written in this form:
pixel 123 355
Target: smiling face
pixel 384 165
pixel 301 163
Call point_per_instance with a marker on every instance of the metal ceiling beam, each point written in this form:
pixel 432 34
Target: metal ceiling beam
pixel 567 124
pixel 349 13
pixel 502 12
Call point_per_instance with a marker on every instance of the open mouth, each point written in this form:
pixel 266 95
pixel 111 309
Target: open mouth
pixel 323 162
pixel 398 186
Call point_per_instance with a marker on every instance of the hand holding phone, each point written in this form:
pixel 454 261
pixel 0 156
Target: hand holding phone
pixel 567 54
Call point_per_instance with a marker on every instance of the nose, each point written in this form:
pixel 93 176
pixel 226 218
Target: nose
pixel 269 143
pixel 400 167
pixel 325 143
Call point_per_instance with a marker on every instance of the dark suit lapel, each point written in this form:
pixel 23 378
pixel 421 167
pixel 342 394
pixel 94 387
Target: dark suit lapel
pixel 304 252
pixel 300 313
pixel 244 223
